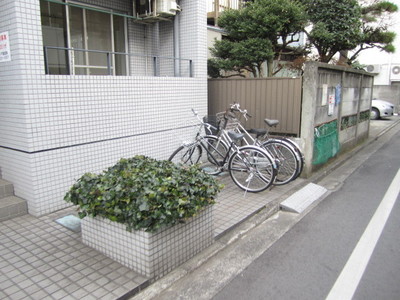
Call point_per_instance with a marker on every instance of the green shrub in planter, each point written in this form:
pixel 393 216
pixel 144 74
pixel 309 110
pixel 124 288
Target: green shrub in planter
pixel 144 193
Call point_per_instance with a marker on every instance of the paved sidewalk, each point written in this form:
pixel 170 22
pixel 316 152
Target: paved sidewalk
pixel 41 259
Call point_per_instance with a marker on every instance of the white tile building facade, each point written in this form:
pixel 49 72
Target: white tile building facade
pixel 54 128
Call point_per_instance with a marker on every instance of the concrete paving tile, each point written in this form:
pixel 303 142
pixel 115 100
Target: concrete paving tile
pixel 18 295
pixel 57 277
pixel 13 273
pixel 41 294
pixel 95 276
pixel 31 273
pixel 83 281
pixel 5 251
pixel 121 290
pixel 69 272
pixel 91 287
pixel 63 283
pixel 86 271
pixel 123 280
pixel 6 284
pixel 11 290
pixel 73 262
pixel 33 289
pixel 6 268
pixel 19 251
pixel 113 275
pixel 23 266
pixel 61 267
pixel 100 292
pixel 107 297
pixel 50 273
pixel 89 297
pixel 44 283
pixel 47 257
pixel 38 277
pixel 36 264
pixel 111 286
pixel 77 276
pixel 44 267
pixel 20 278
pixel 8 256
pixel 71 288
pixel 79 294
pixel 52 288
pixel 54 263
pixel 102 281
pixel 59 294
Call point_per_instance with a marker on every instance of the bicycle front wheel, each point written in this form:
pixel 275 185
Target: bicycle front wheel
pixel 252 169
pixel 186 155
pixel 214 152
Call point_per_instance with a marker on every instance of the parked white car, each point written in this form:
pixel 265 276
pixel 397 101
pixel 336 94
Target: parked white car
pixel 381 109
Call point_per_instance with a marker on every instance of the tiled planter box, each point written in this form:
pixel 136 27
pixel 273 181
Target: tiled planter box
pixel 150 254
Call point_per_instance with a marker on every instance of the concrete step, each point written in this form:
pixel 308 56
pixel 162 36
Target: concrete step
pixel 6 189
pixel 11 207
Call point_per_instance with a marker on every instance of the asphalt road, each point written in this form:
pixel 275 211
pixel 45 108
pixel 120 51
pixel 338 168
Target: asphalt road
pixel 308 260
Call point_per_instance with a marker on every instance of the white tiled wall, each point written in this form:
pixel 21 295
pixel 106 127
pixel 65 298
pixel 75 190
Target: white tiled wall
pixel 150 254
pixel 54 128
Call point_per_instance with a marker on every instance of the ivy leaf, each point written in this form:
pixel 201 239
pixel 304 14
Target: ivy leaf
pixel 144 206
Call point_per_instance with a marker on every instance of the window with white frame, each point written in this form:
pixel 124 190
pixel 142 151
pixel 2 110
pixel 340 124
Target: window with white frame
pixel 83 40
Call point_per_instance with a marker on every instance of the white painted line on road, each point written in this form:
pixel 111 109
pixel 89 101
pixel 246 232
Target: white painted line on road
pixel 348 280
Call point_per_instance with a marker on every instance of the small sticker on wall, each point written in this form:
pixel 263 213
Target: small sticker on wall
pixel 324 94
pixel 331 104
pixel 5 53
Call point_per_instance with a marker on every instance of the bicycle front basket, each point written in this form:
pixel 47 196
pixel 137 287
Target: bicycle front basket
pixel 212 120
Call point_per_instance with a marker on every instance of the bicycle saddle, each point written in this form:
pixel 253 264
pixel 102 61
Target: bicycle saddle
pixel 271 123
pixel 258 131
pixel 235 136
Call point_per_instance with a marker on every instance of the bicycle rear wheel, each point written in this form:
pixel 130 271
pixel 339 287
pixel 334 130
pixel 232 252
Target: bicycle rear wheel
pixel 186 155
pixel 252 169
pixel 287 160
pixel 299 154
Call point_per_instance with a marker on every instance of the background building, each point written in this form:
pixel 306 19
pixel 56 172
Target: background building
pixel 386 66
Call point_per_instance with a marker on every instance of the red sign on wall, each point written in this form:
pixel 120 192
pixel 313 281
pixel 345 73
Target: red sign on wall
pixel 5 53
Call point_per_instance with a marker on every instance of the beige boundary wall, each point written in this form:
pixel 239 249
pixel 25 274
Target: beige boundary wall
pixel 324 94
pixel 334 93
pixel 273 98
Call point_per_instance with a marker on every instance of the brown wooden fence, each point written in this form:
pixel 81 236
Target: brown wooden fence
pixel 272 98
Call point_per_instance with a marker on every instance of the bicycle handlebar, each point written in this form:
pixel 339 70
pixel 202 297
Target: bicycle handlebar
pixel 236 107
pixel 209 126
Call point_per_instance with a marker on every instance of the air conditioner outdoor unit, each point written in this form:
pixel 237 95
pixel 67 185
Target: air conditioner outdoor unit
pixel 166 7
pixel 395 73
pixel 143 7
pixel 373 68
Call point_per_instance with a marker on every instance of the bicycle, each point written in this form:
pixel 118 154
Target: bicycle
pixel 250 167
pixel 288 155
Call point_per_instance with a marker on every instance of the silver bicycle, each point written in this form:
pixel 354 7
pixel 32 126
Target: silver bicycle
pixel 289 158
pixel 251 168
